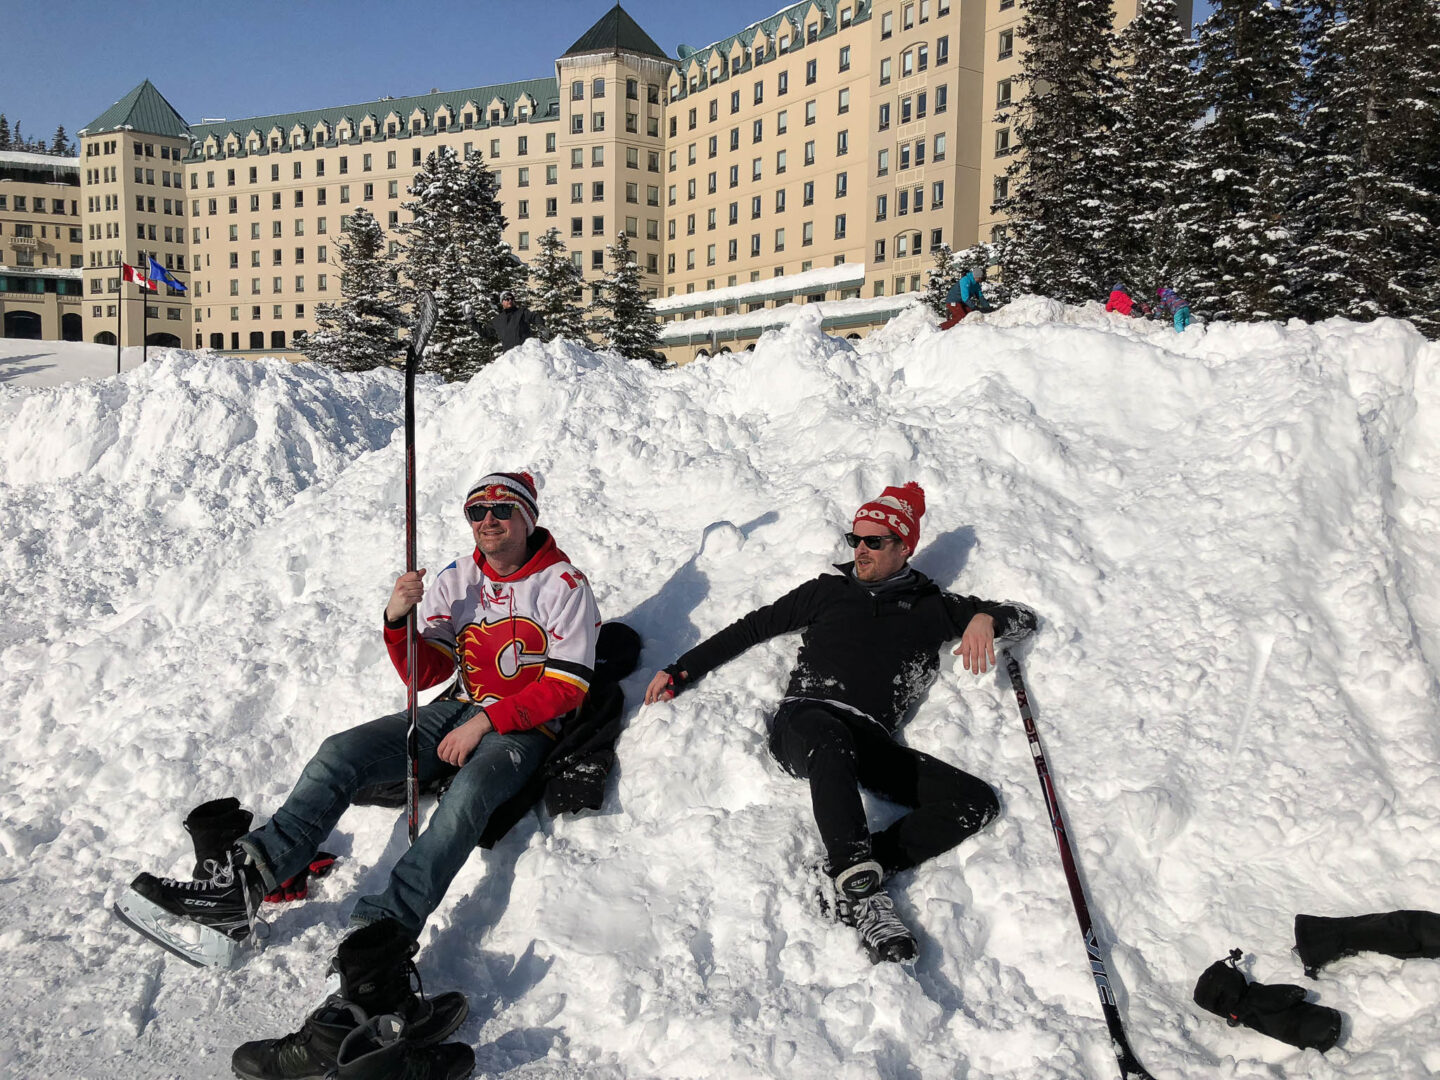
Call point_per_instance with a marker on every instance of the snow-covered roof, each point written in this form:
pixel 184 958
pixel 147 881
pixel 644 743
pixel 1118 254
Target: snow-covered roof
pixel 54 161
pixel 74 274
pixel 833 313
pixel 828 277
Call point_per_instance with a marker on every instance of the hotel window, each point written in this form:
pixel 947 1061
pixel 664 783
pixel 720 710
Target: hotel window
pixel 942 98
pixel 632 193
pixel 734 175
pixel 924 10
pixel 757 131
pixel 364 164
pixel 597 225
pixel 755 206
pixel 759 92
pixel 779 239
pixel 940 147
pixel 597 88
pixel 842 143
pixel 885 71
pixel 904 155
pixel 807 193
pixel 922 57
pixel 734 138
pixel 842 185
pixel 780 161
pixel 755 245
pixel 942 50
pixel 882 207
pixel 597 121
pixel 843 105
pixel 597 191
pixel 712 182
pixel 937 194
pixel 907 63
pixel 810 152
pixel 919 152
pixel 692 119
pixel 1006 41
pixel 887 25
pixel 552 174
pixel 810 113
pixel 1002 142
pixel 577 90
pixel 597 156
pixel 907 17
pixel 884 122
pixel 782 83
pixel 577 193
pixel 905 110
pixel 839 226
pixel 577 124
pixel 845 58
pixel 732 250
pixel 755 169
pixel 714 109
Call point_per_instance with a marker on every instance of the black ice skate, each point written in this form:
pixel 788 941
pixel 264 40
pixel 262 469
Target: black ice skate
pixel 859 901
pixel 203 922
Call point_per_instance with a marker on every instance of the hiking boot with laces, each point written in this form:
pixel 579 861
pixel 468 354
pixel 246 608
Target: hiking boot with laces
pixel 375 971
pixel 379 1049
pixel 310 1052
pixel 859 901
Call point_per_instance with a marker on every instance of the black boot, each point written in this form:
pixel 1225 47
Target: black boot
pixel 1404 934
pixel 1279 1010
pixel 381 1049
pixel 214 827
pixel 375 967
pixel 308 1053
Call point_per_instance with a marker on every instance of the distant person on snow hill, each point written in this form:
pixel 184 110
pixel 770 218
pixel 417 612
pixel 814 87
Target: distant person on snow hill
pixel 966 296
pixel 869 649
pixel 514 624
pixel 1172 302
pixel 514 325
pixel 1121 301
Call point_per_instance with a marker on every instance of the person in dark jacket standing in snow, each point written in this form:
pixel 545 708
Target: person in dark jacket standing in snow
pixel 514 325
pixel 869 649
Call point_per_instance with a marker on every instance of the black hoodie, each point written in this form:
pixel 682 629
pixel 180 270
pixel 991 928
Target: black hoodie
pixel 874 647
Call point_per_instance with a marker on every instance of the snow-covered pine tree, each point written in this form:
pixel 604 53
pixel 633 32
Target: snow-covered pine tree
pixel 60 143
pixel 359 333
pixel 621 314
pixel 1061 186
pixel 1250 150
pixel 4 132
pixel 1157 107
pixel 940 278
pixel 455 247
pixel 1371 184
pixel 556 296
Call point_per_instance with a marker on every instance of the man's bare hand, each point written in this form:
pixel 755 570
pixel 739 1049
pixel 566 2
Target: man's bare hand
pixel 661 688
pixel 977 644
pixel 409 588
pixel 456 748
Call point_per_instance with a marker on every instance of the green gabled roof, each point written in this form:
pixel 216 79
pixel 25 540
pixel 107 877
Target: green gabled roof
pixel 143 109
pixel 794 15
pixel 616 32
pixel 544 92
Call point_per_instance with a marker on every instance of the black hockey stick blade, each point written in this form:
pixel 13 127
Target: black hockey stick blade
pixel 424 323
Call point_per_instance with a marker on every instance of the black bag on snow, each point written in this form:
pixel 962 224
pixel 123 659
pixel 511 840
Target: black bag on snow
pixel 1408 935
pixel 1279 1011
pixel 573 774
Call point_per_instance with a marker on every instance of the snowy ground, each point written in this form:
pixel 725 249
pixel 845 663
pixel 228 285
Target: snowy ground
pixel 51 363
pixel 1231 537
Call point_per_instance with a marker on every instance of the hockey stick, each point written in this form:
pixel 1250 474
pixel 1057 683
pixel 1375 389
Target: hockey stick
pixel 1130 1069
pixel 419 337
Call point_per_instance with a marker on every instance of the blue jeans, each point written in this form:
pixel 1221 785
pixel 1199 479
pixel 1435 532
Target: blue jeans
pixel 375 753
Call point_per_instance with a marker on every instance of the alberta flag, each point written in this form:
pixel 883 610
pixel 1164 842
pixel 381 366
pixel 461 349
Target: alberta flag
pixel 131 273
pixel 159 273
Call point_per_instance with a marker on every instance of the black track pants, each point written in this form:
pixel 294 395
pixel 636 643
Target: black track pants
pixel 840 752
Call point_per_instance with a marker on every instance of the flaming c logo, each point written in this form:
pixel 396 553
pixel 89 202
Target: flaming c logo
pixel 502 657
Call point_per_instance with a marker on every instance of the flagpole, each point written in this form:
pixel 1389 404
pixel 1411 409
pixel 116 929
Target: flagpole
pixel 145 328
pixel 119 310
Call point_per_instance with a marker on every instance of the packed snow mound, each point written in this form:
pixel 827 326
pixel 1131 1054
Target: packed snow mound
pixel 1230 536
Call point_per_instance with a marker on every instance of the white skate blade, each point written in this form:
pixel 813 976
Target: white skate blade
pixel 192 942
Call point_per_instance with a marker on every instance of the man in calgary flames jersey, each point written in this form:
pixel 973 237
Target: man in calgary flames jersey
pixel 518 624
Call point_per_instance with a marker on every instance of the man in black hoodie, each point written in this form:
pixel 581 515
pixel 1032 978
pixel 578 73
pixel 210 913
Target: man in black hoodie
pixel 870 644
pixel 514 324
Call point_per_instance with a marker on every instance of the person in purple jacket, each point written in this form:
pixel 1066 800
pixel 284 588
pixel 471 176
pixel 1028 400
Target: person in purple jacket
pixel 1174 303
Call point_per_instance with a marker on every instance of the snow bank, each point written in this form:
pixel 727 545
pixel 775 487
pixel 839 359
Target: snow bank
pixel 1230 536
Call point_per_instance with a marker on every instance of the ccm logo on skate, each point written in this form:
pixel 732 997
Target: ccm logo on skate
pixel 889 519
pixel 201 903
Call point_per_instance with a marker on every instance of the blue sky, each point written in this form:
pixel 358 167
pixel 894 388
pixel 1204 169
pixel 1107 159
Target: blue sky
pixel 67 63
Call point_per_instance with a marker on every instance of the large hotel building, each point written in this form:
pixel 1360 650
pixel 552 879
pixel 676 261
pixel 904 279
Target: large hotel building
pixel 820 154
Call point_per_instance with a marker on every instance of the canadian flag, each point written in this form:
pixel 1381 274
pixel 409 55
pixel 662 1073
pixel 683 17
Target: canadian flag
pixel 130 273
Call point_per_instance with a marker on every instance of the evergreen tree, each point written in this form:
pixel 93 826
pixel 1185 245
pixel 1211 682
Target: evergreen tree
pixel 1250 151
pixel 60 143
pixel 940 277
pixel 1061 187
pixel 558 290
pixel 621 313
pixel 1372 183
pixel 4 132
pixel 1156 110
pixel 455 247
pixel 360 332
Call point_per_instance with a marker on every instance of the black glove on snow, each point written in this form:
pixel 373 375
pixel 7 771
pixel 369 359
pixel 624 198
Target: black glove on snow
pixel 1404 934
pixel 678 679
pixel 1279 1011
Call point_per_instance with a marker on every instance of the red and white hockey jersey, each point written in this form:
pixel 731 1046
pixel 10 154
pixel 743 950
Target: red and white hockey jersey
pixel 524 644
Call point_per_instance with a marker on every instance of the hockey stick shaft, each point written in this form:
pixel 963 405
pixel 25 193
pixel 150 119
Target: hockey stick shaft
pixel 1130 1068
pixel 412 736
pixel 424 324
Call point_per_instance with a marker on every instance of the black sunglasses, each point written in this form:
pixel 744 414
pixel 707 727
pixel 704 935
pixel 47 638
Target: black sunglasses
pixel 476 511
pixel 874 543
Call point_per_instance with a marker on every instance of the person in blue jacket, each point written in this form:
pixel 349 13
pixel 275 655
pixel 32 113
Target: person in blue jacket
pixel 965 296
